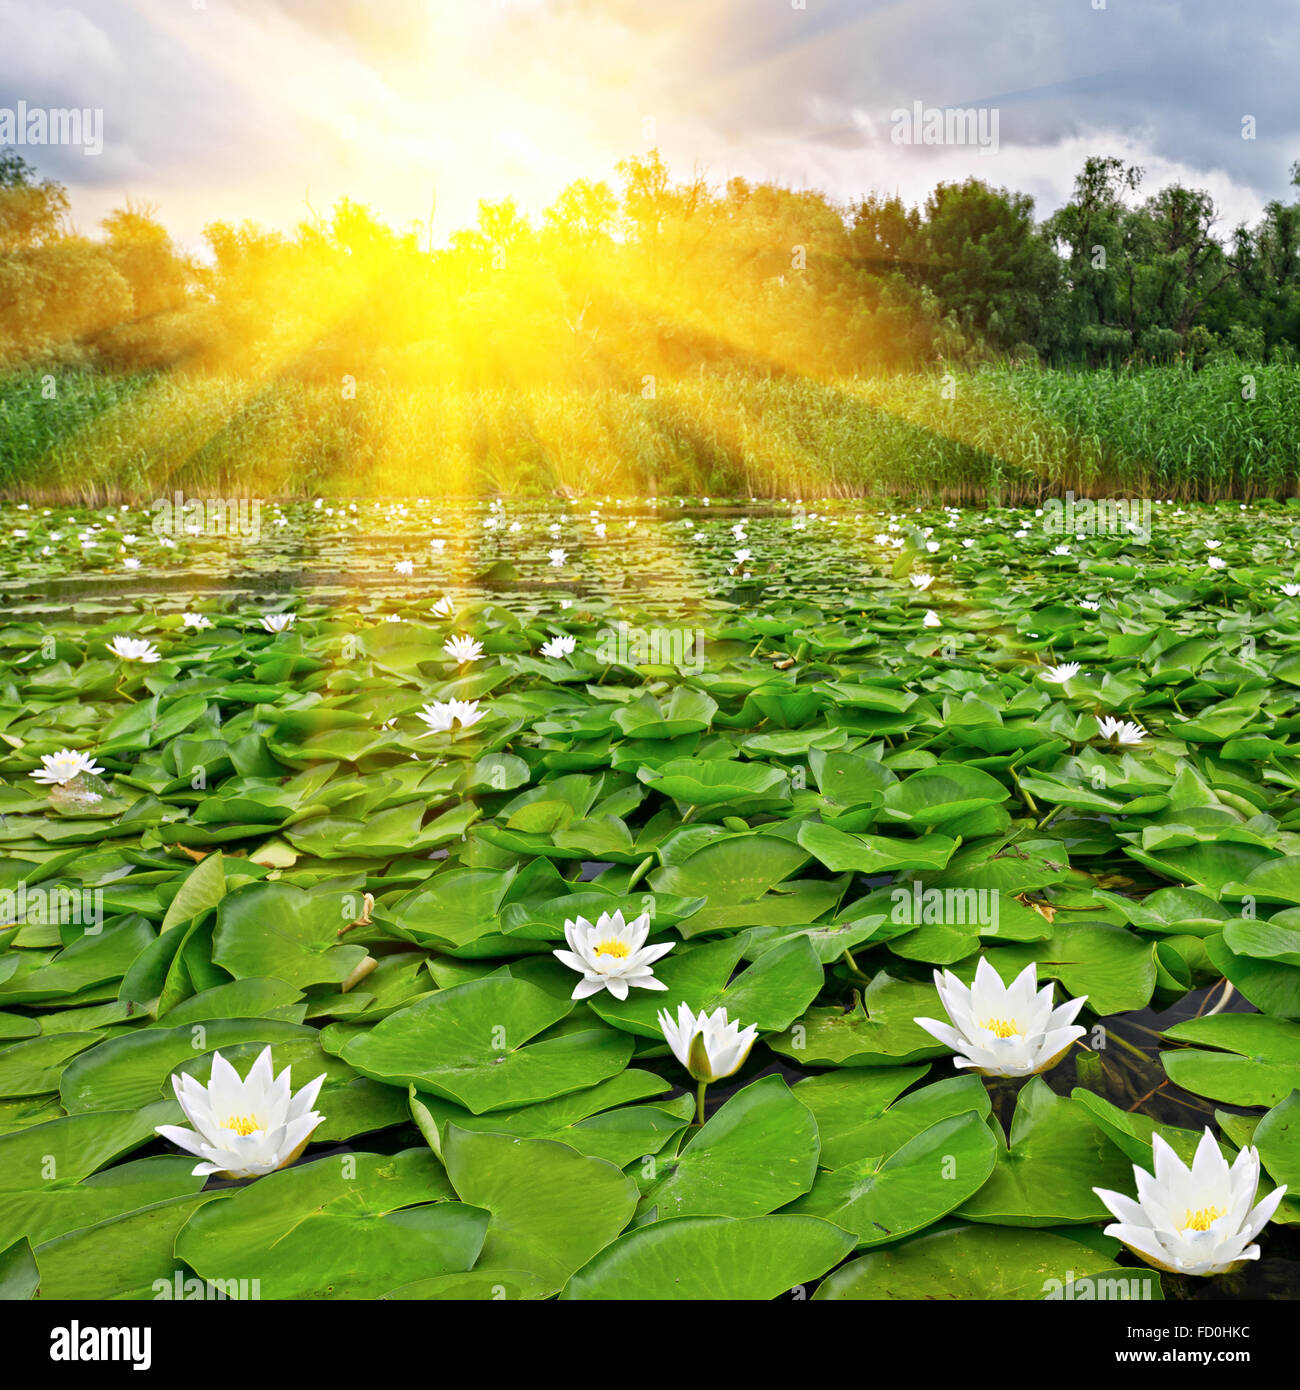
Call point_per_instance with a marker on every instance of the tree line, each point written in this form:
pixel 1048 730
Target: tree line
pixel 620 281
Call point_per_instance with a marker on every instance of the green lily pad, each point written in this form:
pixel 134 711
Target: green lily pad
pixel 551 1209
pixel 132 1070
pixel 477 1044
pixel 1056 1155
pixel 874 854
pixel 918 1176
pixel 988 1262
pixel 754 1154
pixel 130 1256
pixel 877 1032
pixel 350 1226
pixel 938 795
pixel 600 1122
pixel 752 1258
pixel 1254 1064
pixel 1277 1136
pixel 713 781
pixel 19 1277
pixel 276 930
pixel 772 992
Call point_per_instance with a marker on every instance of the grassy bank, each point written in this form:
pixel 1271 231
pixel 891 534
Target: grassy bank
pixel 1008 435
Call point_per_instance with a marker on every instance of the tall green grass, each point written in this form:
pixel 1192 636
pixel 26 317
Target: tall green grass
pixel 1004 434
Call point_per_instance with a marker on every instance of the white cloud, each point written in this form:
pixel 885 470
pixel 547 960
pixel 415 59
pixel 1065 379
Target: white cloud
pixel 238 108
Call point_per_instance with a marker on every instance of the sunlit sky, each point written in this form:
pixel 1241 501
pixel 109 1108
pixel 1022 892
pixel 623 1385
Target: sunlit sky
pixel 263 109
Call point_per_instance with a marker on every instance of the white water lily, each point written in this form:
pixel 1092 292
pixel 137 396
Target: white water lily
pixel 1216 564
pixel 742 555
pixel 1003 1030
pixel 1123 731
pixel 559 647
pixel 243 1129
pixel 1060 550
pixel 1197 1220
pixel 444 608
pixel 931 619
pixel 1058 675
pixel 920 581
pixel 441 715
pixel 463 649
pixel 58 769
pixel 279 622
pixel 557 557
pixel 1089 604
pixel 1291 590
pixel 709 1046
pixel 196 621
pixel 611 954
pixel 404 567
pixel 131 563
pixel 134 649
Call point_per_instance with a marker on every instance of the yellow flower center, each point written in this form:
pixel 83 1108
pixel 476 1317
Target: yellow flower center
pixel 1200 1220
pixel 1001 1027
pixel 612 948
pixel 243 1125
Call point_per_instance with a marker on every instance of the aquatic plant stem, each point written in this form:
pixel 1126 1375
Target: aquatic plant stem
pixel 1112 1036
pixel 638 871
pixel 855 968
pixel 1228 991
pixel 1024 795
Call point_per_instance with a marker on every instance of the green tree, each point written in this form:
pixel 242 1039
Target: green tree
pixel 988 263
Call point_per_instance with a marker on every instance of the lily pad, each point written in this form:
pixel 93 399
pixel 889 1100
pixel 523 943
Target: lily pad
pixel 753 1258
pixel 986 1262
pixel 478 1045
pixel 341 1227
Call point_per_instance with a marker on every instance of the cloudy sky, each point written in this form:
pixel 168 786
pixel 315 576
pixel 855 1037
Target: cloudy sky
pixel 263 109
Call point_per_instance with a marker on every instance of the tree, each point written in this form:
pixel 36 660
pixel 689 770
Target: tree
pixel 141 251
pixel 1094 234
pixel 31 213
pixel 987 262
